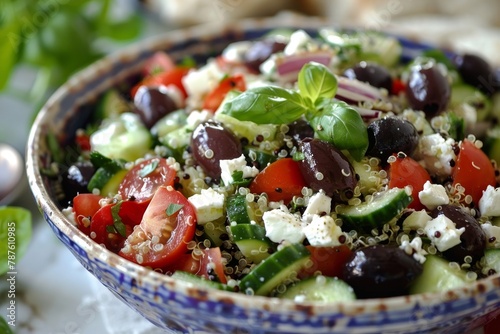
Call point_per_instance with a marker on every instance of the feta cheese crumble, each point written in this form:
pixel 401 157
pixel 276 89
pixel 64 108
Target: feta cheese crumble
pixel 209 205
pixel 489 204
pixel 443 232
pixel 433 195
pixel 323 232
pixel 228 167
pixel 318 203
pixel 416 220
pixel 436 154
pixel 492 235
pixel 281 225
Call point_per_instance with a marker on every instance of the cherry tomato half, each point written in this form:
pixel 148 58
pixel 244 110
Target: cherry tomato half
pixel 171 77
pixel 281 180
pixel 214 99
pixel 84 207
pixel 167 226
pixel 406 171
pixel 112 223
pixel 141 182
pixel 473 170
pixel 208 264
pixel 158 63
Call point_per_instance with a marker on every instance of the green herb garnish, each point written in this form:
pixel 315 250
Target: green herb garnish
pixel 173 208
pixel 149 168
pixel 118 224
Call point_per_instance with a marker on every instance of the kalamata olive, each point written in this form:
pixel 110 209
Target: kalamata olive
pixel 373 74
pixel 260 51
pixel 477 72
pixel 390 135
pixel 152 103
pixel 473 240
pixel 300 129
pixel 326 167
pixel 380 271
pixel 428 89
pixel 76 179
pixel 211 143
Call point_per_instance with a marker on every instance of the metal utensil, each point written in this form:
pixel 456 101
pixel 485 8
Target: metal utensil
pixel 11 174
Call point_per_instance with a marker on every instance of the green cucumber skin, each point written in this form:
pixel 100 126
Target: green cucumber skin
pixel 376 213
pixel 437 276
pixel 237 209
pixel 250 237
pixel 325 289
pixel 491 259
pixel 200 281
pixel 278 267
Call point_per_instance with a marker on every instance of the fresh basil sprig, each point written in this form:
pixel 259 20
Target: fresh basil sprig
pixel 333 121
pixel 267 105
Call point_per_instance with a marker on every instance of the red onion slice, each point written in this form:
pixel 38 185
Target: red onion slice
pixel 288 67
pixel 353 91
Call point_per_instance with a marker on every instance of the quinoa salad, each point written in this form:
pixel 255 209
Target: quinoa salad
pixel 314 167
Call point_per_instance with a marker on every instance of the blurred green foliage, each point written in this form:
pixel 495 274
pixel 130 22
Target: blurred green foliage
pixel 58 37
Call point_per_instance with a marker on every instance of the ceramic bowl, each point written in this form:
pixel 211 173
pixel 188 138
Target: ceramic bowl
pixel 184 308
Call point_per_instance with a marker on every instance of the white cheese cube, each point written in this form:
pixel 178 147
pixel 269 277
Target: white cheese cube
pixel 492 235
pixel 323 232
pixel 489 204
pixel 298 40
pixel 416 220
pixel 196 117
pixel 433 195
pixel 436 153
pixel 318 203
pixel 283 226
pixel 443 232
pixel 228 167
pixel 199 82
pixel 209 205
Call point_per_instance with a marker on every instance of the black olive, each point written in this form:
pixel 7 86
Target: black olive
pixel 211 143
pixel 76 179
pixel 477 72
pixel 326 167
pixel 152 103
pixel 260 51
pixel 391 135
pixel 428 89
pixel 300 129
pixel 380 271
pixel 472 241
pixel 372 74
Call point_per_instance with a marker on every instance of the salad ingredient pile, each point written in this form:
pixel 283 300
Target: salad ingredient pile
pixel 319 166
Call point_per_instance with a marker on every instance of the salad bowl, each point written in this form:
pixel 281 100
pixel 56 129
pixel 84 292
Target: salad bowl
pixel 182 307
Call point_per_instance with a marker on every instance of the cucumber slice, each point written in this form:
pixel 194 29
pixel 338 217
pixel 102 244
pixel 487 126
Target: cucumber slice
pixel 437 276
pixel 383 207
pixel 276 269
pixel 171 122
pixel 463 93
pixel 247 129
pixel 111 105
pixel 200 281
pixel 241 211
pixel 252 241
pixel 319 289
pixel 491 259
pixel 492 143
pixel 108 176
pixel 370 180
pixel 111 165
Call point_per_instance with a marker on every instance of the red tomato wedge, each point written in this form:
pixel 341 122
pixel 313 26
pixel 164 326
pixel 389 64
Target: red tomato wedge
pixel 158 63
pixel 406 171
pixel 141 182
pixel 167 226
pixel 280 180
pixel 473 170
pixel 112 223
pixel 208 264
pixel 214 99
pixel 330 261
pixel 171 77
pixel 84 207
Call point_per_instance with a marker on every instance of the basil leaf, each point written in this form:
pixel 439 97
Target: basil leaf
pixel 148 169
pixel 173 208
pixel 117 221
pixel 316 81
pixel 266 105
pixel 4 327
pixel 15 235
pixel 340 124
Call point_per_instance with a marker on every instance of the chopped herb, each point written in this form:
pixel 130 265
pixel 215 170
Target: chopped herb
pixel 173 208
pixel 149 168
pixel 239 180
pixel 117 221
